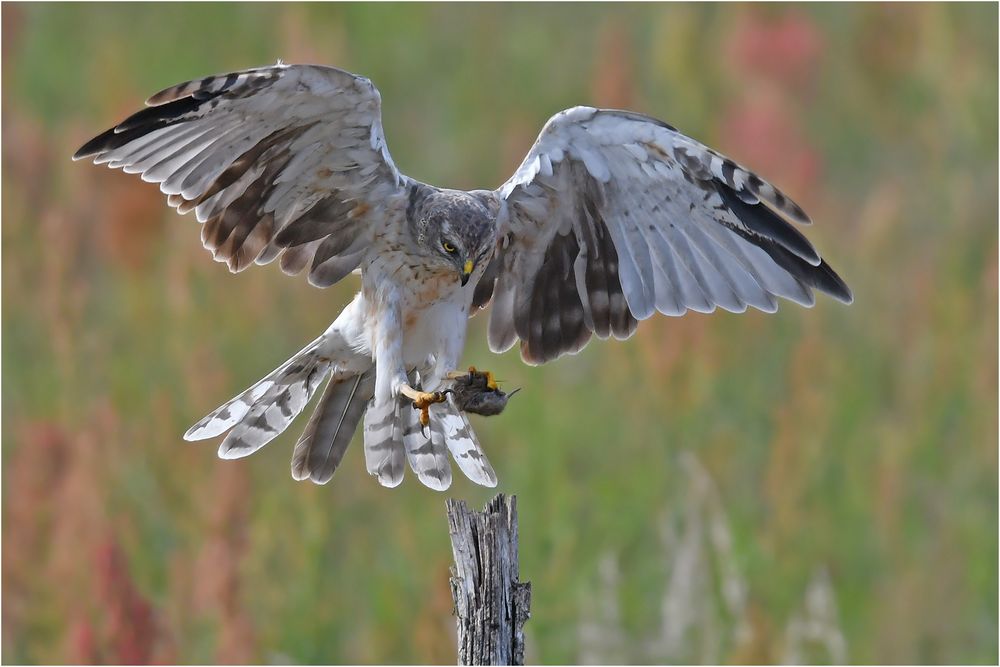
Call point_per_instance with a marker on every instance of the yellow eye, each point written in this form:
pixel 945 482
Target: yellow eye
pixel 449 248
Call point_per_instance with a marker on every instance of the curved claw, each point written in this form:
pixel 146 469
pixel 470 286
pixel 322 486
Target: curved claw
pixel 423 400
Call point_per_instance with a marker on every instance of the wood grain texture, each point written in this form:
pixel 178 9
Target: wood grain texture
pixel 491 603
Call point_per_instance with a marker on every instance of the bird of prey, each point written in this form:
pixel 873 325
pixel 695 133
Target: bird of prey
pixel 611 217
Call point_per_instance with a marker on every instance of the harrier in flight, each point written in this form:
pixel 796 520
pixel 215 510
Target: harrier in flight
pixel 611 217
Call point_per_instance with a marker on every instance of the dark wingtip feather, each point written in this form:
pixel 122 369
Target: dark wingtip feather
pixel 138 124
pixel 821 277
pixel 818 276
pixel 114 138
pixel 832 284
pixel 762 220
pixel 94 146
pixel 159 115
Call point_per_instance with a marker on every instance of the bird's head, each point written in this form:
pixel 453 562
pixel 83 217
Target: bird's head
pixel 456 230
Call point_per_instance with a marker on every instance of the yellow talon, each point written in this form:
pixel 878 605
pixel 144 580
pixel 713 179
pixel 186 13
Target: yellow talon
pixel 423 402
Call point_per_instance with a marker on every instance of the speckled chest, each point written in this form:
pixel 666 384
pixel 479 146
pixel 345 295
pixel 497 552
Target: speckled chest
pixel 423 289
pixel 396 273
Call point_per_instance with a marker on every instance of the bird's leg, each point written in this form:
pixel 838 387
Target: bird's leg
pixel 491 382
pixel 423 400
pixel 390 372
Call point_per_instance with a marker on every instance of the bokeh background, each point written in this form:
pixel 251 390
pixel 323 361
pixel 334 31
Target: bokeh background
pixel 816 485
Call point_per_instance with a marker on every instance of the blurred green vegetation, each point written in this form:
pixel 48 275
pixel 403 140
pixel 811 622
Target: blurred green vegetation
pixel 857 442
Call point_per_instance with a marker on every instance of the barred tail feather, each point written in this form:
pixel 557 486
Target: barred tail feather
pixel 273 412
pixel 425 451
pixel 331 427
pixel 228 414
pixel 454 429
pixel 384 452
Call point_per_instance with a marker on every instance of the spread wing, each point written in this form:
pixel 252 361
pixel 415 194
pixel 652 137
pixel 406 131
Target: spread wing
pixel 614 215
pixel 287 160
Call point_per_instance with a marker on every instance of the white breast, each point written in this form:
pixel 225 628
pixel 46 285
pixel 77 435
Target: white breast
pixel 433 308
pixel 436 330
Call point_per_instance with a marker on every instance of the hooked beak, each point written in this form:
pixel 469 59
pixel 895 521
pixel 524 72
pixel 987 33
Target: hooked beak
pixel 467 271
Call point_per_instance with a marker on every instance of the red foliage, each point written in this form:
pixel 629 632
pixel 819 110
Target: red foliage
pixel 129 629
pixel 34 468
pixel 114 623
pixel 54 552
pixel 218 585
pixel 83 645
pixel 784 48
pixel 613 84
pixel 763 133
pixel 776 58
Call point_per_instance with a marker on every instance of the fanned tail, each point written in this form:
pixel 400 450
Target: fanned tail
pixel 392 431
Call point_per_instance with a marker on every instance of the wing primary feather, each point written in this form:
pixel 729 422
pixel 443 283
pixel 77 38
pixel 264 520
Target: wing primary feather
pixel 821 277
pixel 745 287
pixel 164 114
pixel 714 269
pixel 761 220
pixel 731 244
pixel 140 154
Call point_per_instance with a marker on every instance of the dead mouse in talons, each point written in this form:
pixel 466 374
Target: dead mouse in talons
pixel 477 392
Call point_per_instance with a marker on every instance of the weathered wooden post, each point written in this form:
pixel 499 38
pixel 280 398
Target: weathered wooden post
pixel 491 604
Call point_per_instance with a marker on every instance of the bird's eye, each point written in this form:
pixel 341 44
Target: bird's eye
pixel 448 248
